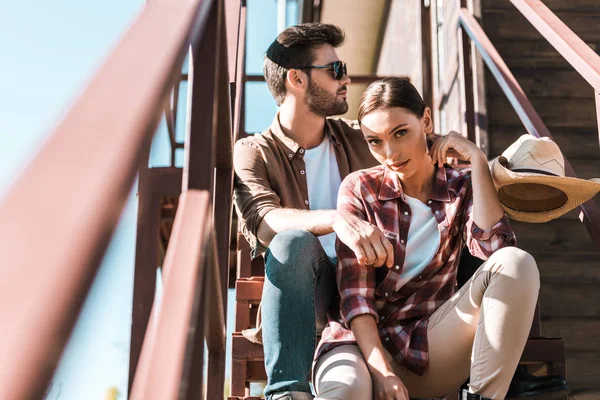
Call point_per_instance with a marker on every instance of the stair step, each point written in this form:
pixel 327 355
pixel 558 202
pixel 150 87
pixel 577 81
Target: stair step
pixel 559 268
pixel 584 394
pixel 582 371
pixel 555 237
pixel 511 24
pixel 532 53
pixel 564 83
pixel 555 112
pixel 573 142
pixel 570 300
pixel 579 334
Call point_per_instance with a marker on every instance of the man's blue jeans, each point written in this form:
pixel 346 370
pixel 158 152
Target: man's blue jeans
pixel 299 287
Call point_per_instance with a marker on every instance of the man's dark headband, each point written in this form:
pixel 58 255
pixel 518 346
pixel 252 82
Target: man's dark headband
pixel 278 53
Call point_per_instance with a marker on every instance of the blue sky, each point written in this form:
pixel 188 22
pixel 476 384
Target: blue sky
pixel 49 51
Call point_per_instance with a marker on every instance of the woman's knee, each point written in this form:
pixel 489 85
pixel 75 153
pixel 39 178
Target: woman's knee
pixel 519 265
pixel 342 374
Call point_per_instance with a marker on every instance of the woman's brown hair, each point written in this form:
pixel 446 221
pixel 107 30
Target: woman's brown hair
pixel 391 92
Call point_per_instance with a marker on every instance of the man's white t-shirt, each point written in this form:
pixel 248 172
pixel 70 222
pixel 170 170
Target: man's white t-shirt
pixel 323 181
pixel 423 239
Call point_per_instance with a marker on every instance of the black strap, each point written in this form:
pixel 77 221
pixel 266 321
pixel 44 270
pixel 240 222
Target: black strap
pixel 535 171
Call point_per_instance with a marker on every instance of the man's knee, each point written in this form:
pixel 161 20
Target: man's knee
pixel 293 247
pixel 293 239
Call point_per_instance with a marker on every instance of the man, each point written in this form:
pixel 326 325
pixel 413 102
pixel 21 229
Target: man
pixel 285 194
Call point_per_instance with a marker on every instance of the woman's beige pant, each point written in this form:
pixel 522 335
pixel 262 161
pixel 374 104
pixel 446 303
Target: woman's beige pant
pixel 480 332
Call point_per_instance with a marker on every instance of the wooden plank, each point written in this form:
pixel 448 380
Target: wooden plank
pixel 579 334
pixel 561 235
pixel 167 360
pixel 146 252
pixel 249 289
pixel 533 53
pixel 587 6
pixel 242 315
pixel 584 394
pixel 243 348
pixel 256 371
pixel 570 300
pixel 573 142
pixel 555 112
pixel 582 371
pixel 546 351
pixel 546 82
pixel 568 267
pixel 511 24
pixel 238 377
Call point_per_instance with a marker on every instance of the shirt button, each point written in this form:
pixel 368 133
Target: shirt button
pixel 382 318
pixel 397 267
pixel 420 276
pixel 387 295
pixel 387 339
pixel 306 202
pixel 290 155
pixel 402 241
pixel 405 212
pixel 428 201
pixel 301 151
pixel 302 172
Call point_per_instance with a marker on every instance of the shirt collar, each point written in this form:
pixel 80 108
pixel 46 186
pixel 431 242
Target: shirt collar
pixel 289 145
pixel 391 187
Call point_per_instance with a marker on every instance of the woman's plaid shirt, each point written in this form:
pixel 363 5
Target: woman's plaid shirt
pixel 402 307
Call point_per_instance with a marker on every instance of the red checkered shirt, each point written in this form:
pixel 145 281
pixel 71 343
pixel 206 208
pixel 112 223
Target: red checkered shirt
pixel 402 307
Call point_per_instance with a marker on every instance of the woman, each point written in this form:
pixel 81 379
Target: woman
pixel 403 329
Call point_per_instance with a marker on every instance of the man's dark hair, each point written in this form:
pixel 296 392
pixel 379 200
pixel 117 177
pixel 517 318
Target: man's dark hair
pixel 294 48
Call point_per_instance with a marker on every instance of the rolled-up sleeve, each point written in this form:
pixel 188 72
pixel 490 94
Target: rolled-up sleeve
pixel 253 195
pixel 482 243
pixel 356 283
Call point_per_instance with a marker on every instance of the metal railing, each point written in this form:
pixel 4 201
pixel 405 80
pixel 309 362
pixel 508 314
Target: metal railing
pixel 567 43
pixel 58 218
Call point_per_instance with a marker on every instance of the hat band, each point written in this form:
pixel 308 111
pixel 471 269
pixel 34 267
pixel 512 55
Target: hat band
pixel 535 171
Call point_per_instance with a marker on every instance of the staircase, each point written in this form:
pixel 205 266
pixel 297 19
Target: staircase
pixel 568 259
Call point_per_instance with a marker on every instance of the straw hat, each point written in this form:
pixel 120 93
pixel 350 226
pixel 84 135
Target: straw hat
pixel 530 179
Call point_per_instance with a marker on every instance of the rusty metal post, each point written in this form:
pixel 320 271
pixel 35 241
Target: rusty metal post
pixel 427 53
pixel 144 280
pixel 597 96
pixel 468 82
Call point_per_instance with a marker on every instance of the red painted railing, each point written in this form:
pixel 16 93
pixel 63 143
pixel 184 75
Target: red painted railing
pixel 575 51
pixel 58 218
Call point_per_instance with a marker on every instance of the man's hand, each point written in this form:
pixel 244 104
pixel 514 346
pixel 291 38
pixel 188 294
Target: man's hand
pixel 387 386
pixel 364 239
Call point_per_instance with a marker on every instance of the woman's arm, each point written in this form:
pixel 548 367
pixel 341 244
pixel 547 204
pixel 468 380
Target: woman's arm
pixel 486 228
pixel 386 384
pixel 487 210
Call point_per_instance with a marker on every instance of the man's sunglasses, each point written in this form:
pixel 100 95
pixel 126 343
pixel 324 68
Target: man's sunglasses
pixel 338 67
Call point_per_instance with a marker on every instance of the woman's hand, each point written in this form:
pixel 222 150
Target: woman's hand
pixel 364 239
pixel 453 145
pixel 387 386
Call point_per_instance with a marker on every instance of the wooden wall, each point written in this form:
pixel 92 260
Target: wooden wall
pixel 568 260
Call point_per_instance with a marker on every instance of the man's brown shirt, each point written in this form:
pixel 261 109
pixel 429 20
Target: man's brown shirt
pixel 270 171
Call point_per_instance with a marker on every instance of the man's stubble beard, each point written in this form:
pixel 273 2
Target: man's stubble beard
pixel 322 103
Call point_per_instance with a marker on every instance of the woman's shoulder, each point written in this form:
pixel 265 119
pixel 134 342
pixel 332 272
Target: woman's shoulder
pixel 373 174
pixel 364 180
